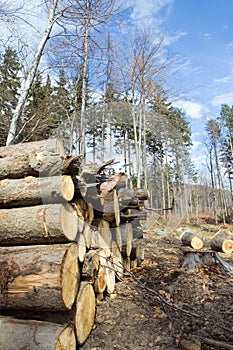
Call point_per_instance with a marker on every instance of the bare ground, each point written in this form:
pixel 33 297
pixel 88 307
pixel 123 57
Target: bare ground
pixel 162 306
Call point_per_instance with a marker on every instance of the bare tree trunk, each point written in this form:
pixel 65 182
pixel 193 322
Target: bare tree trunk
pixel 31 74
pixel 84 82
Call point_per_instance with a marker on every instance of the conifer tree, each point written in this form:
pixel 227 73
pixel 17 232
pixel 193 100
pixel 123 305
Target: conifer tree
pixel 9 87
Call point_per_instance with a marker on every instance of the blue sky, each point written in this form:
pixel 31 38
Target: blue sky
pixel 201 33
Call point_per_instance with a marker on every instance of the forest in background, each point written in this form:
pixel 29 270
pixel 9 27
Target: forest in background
pixel 108 93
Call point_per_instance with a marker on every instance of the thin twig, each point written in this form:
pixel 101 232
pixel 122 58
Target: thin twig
pixel 144 286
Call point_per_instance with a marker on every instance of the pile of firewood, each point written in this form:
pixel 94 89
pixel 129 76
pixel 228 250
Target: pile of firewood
pixel 68 232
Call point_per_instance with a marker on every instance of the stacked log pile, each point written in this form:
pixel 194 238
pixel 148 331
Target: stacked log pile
pixel 67 233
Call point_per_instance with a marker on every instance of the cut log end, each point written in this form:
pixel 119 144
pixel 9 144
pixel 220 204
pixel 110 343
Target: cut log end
pixel 70 276
pixel 196 243
pixel 67 187
pixel 66 340
pixel 222 244
pixel 192 240
pixel 69 221
pixel 85 312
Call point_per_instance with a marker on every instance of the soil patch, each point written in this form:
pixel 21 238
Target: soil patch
pixel 161 305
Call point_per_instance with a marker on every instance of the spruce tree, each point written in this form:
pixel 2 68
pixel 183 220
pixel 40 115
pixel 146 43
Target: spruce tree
pixel 9 86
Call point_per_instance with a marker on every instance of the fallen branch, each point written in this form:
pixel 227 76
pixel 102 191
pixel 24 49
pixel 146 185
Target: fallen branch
pixel 216 343
pixel 158 295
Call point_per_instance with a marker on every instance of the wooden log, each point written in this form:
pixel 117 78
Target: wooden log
pixel 134 254
pixel 116 236
pixel 87 232
pixel 40 164
pixel 122 183
pixel 133 264
pixel 90 266
pixel 110 277
pixel 71 165
pixel 142 193
pixel 127 197
pixel 141 255
pixel 85 312
pixel 100 282
pixel 132 216
pixel 105 238
pixel 50 145
pixel 191 239
pixel 39 277
pixel 81 247
pixel 51 223
pixel 117 260
pixel 111 211
pixel 35 191
pixel 126 263
pixel 127 239
pixel 35 335
pixel 222 244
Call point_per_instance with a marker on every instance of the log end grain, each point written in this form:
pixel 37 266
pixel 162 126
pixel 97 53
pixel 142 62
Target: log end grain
pixel 191 239
pixel 70 276
pixel 222 244
pixel 85 312
pixel 66 340
pixel 67 187
pixel 69 221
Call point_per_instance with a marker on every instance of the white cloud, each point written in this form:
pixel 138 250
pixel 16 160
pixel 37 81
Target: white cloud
pixel 173 38
pixel 207 36
pixel 220 99
pixel 196 145
pixel 145 10
pixel 193 110
pixel 224 80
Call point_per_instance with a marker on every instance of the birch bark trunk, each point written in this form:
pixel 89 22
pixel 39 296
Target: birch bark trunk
pixel 31 74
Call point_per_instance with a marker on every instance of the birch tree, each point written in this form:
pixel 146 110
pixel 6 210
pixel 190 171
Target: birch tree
pixel 28 81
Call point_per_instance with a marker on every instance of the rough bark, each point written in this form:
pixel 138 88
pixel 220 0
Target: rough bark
pixel 54 146
pixel 111 211
pixel 35 335
pixel 52 223
pixel 90 265
pixel 85 312
pixel 39 277
pixel 40 164
pixel 35 191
